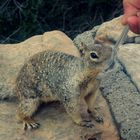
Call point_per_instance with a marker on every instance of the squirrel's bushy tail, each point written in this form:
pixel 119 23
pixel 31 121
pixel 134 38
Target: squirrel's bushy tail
pixel 6 93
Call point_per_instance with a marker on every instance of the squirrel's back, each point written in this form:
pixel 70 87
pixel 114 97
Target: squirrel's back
pixel 54 69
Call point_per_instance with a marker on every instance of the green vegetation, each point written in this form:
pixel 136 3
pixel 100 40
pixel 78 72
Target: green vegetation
pixel 20 19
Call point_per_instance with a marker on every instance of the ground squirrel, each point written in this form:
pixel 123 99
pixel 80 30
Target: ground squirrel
pixel 50 76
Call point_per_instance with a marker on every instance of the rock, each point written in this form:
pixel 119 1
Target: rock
pixel 55 123
pixel 123 98
pixel 120 87
pixel 112 30
pixel 129 56
pixel 137 39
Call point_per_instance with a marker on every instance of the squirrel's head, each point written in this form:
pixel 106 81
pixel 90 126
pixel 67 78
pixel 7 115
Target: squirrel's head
pixel 97 55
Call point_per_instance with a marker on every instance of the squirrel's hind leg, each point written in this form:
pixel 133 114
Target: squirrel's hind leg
pixel 91 99
pixel 26 109
pixel 77 109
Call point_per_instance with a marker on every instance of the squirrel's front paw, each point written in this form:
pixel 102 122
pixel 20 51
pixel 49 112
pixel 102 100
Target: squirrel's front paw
pixel 30 125
pixel 87 123
pixel 97 116
pixel 99 119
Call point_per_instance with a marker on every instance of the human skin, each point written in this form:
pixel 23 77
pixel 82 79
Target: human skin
pixel 132 15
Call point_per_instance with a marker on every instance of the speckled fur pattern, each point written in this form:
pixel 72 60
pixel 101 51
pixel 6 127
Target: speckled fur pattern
pixel 50 76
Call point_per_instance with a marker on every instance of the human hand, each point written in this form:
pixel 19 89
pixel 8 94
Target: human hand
pixel 132 15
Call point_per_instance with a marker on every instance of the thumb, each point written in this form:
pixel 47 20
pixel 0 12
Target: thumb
pixel 134 24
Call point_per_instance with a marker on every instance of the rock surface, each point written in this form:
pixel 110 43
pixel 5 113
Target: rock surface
pixel 129 55
pixel 112 29
pixel 118 88
pixel 55 123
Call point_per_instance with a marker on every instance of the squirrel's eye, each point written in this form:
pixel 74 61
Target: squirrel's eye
pixel 94 55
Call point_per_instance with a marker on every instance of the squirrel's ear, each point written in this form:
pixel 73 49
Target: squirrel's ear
pixel 82 49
